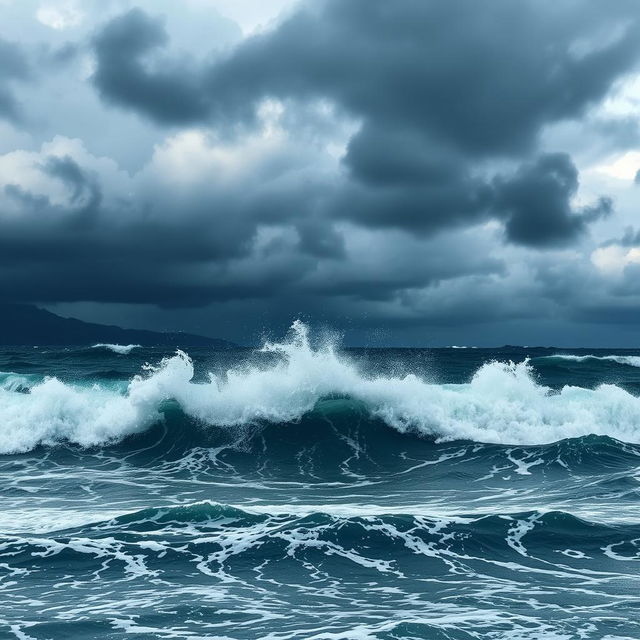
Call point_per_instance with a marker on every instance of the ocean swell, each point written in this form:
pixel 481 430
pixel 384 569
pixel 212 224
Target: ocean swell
pixel 380 542
pixel 503 403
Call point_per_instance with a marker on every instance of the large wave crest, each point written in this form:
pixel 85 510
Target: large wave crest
pixel 503 403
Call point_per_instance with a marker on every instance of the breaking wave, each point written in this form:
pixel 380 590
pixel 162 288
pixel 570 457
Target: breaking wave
pixel 503 402
pixel 17 382
pixel 632 361
pixel 122 349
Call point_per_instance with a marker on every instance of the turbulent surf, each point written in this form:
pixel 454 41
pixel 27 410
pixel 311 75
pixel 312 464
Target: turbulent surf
pixel 304 491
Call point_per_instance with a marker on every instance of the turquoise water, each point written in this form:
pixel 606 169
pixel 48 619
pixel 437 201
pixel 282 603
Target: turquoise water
pixel 303 492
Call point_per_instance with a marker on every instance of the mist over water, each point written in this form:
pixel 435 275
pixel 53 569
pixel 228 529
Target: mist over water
pixel 305 491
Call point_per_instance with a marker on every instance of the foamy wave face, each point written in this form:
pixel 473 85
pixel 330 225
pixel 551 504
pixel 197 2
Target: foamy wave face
pixel 502 404
pixel 632 361
pixel 53 412
pixel 17 382
pixel 122 349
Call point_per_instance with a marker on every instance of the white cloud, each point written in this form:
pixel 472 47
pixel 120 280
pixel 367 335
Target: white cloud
pixel 194 155
pixel 60 16
pixel 613 259
pixel 270 152
pixel 24 169
pixel 622 167
pixel 624 99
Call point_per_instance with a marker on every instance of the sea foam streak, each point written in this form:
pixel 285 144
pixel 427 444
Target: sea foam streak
pixel 501 404
pixel 122 349
pixel 632 361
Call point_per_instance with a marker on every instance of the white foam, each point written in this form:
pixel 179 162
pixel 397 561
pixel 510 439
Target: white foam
pixel 54 411
pixel 122 349
pixel 632 361
pixel 503 403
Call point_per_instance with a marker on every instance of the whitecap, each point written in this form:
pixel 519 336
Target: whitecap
pixel 502 403
pixel 122 349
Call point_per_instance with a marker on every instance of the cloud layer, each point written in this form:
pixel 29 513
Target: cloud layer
pixel 407 164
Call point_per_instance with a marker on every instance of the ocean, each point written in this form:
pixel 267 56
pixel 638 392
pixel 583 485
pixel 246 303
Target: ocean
pixel 303 491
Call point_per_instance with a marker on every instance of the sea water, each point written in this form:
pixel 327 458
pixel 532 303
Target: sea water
pixel 301 490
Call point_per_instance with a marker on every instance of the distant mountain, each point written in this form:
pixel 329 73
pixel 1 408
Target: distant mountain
pixel 22 324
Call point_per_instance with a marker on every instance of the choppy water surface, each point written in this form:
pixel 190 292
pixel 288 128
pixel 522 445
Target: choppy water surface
pixel 298 492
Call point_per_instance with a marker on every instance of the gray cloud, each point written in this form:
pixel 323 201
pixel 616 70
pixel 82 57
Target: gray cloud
pixel 84 188
pixel 171 93
pixel 188 249
pixel 394 64
pixel 432 100
pixel 400 179
pixel 537 203
pixel 417 215
pixel 155 245
pixel 13 67
pixel 630 238
pixel 397 64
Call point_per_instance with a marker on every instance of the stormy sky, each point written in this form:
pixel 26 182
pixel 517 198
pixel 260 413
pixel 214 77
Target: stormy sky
pixel 414 172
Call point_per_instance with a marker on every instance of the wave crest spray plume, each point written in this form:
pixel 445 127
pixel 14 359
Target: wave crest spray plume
pixel 502 403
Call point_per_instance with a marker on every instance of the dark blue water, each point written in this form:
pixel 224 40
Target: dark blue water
pixel 302 492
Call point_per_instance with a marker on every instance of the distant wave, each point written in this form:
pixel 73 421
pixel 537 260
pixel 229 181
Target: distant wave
pixel 503 403
pixel 323 515
pixel 122 349
pixel 632 361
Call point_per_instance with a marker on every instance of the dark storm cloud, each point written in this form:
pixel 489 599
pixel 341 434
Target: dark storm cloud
pixel 537 203
pixel 319 239
pixel 171 93
pixel 436 86
pixel 445 103
pixel 484 76
pixel 400 179
pixel 156 245
pixel 434 192
pixel 13 67
pixel 191 249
